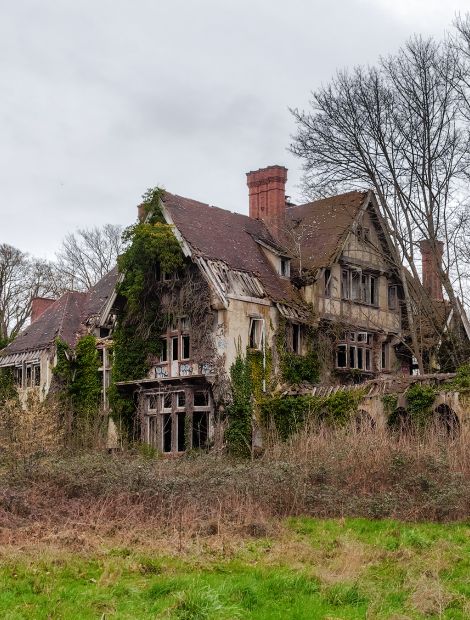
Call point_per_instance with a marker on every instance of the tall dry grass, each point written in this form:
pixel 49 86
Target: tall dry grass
pixel 321 472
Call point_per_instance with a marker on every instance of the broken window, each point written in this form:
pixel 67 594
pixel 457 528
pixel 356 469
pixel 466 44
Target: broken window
pixel 200 429
pixel 185 347
pixel 385 357
pixel 36 375
pixel 256 334
pixel 181 431
pixel 327 283
pixel 345 294
pixel 181 400
pixel 285 267
pixel 341 356
pixel 392 297
pixel 164 351
pixel 357 285
pixel 29 376
pixel 18 376
pixel 182 423
pixel 167 432
pixel 201 399
pixel 167 401
pixel 296 345
pixel 174 348
pixel 355 351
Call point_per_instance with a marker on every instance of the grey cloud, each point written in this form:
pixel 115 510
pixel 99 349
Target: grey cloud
pixel 102 99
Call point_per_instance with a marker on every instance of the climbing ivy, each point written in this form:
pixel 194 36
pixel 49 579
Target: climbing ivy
pixel 461 382
pixel 152 249
pixel 7 385
pixel 294 368
pixel 78 372
pixel 287 414
pixel 240 413
pixel 390 402
pixel 420 399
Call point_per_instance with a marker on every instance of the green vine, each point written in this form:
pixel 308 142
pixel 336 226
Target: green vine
pixel 7 385
pixel 420 399
pixel 78 372
pixel 240 412
pixel 294 368
pixel 461 382
pixel 152 249
pixel 390 402
pixel 288 414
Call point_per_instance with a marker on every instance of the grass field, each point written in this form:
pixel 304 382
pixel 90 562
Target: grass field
pixel 300 568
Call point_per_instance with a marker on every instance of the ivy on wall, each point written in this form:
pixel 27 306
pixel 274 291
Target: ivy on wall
pixel 151 250
pixel 288 414
pixel 78 373
pixel 294 368
pixel 7 385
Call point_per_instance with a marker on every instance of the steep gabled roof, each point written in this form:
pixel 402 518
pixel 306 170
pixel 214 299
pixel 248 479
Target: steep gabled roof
pixel 64 319
pixel 220 235
pixel 321 226
pixel 98 295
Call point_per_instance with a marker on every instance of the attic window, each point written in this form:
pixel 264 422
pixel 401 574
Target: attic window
pixel 327 290
pixel 285 267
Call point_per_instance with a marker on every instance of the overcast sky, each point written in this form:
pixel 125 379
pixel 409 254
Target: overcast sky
pixel 101 99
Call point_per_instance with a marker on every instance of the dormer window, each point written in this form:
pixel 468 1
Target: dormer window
pixel 284 267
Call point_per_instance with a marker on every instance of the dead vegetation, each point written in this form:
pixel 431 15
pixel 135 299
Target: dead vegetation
pixel 320 472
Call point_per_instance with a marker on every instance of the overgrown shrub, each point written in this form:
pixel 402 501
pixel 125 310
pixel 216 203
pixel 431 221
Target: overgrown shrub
pixel 420 399
pixel 34 430
pixel 240 411
pixel 288 414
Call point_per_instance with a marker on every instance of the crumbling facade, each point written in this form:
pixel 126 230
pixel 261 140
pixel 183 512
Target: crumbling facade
pixel 325 268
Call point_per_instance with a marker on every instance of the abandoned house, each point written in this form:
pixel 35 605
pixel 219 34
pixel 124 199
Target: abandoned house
pixel 325 267
pixel 33 353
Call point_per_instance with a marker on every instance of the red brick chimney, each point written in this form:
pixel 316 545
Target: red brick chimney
pixel 431 255
pixel 38 306
pixel 267 191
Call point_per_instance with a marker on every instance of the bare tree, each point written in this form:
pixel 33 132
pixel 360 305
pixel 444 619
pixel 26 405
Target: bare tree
pixel 86 256
pixel 21 279
pixel 398 128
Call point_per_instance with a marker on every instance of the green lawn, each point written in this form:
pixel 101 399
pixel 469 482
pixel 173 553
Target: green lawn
pixel 306 569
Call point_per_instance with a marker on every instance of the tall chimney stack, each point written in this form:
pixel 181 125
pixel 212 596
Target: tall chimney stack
pixel 431 256
pixel 267 194
pixel 38 306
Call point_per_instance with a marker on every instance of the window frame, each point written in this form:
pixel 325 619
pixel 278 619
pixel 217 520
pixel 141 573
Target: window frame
pixel 359 286
pixel 327 282
pixel 256 334
pixel 355 349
